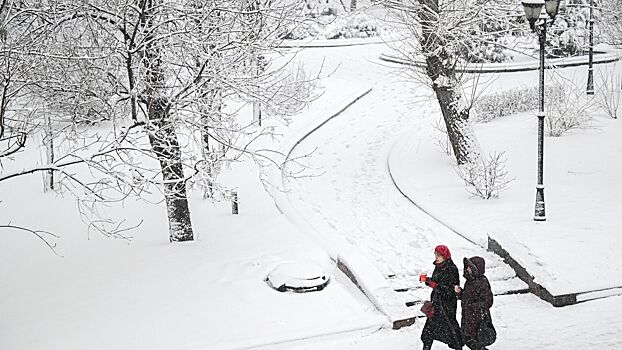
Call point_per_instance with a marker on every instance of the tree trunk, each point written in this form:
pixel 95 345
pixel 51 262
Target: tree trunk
pixel 163 137
pixel 456 116
pixel 165 145
pixel 440 68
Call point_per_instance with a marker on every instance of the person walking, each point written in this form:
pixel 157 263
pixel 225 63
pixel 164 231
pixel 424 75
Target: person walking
pixel 442 325
pixel 477 328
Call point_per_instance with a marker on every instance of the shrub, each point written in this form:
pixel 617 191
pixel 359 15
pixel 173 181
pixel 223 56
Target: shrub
pixel 486 178
pixel 608 93
pixel 485 40
pixel 342 26
pixel 569 32
pixel 508 102
pixel 356 26
pixel 568 112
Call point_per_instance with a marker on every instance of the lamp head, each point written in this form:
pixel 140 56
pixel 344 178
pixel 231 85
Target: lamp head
pixel 532 10
pixel 552 6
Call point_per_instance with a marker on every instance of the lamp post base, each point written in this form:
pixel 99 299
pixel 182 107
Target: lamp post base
pixel 539 218
pixel 590 81
pixel 540 213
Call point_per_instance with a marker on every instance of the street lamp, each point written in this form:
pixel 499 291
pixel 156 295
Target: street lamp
pixel 538 23
pixel 590 69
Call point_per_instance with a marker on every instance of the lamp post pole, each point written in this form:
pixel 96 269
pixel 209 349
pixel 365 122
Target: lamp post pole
pixel 540 214
pixel 590 69
pixel 538 24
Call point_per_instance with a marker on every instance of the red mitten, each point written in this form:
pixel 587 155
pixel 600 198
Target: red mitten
pixel 432 284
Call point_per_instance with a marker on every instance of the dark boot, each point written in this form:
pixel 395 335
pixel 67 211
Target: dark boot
pixel 427 346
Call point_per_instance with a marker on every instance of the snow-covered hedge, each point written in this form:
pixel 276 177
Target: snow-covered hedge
pixel 488 53
pixel 342 26
pixel 508 102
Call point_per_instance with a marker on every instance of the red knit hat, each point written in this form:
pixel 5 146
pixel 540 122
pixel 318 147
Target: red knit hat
pixel 443 251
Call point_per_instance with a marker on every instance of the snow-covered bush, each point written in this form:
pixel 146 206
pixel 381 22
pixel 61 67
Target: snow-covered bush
pixel 569 32
pixel 568 112
pixel 609 92
pixel 485 41
pixel 358 25
pixel 487 53
pixel 508 102
pixel 342 26
pixel 486 178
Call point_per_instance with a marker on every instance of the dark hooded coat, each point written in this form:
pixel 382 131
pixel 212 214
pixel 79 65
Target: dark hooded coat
pixel 443 326
pixel 476 298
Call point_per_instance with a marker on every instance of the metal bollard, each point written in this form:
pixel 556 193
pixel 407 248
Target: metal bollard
pixel 234 202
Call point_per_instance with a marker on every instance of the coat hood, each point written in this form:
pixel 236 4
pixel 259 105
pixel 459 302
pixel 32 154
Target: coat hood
pixel 477 264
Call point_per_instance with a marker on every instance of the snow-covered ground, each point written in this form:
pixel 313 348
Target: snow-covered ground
pixel 582 191
pixel 150 294
pixel 522 322
pixel 211 294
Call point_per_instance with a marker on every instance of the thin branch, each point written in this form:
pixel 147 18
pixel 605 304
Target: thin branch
pixel 39 233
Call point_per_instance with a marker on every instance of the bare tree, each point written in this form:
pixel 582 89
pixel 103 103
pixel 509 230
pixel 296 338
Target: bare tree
pixel 20 29
pixel 167 83
pixel 446 34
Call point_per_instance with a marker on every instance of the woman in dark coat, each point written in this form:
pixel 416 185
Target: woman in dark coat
pixel 442 326
pixel 477 300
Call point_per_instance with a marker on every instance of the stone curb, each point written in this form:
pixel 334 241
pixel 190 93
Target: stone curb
pixel 600 58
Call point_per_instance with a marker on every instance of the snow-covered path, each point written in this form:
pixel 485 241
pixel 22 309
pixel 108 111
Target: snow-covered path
pixel 354 197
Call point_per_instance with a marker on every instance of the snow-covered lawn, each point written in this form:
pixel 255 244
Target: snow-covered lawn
pixel 150 294
pixel 576 249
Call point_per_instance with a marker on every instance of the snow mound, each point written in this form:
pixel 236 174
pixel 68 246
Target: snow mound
pixel 297 277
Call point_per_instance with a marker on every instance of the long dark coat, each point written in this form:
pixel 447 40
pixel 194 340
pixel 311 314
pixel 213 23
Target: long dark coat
pixel 443 326
pixel 476 298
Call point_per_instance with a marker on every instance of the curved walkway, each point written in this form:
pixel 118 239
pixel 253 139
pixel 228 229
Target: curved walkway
pixel 355 198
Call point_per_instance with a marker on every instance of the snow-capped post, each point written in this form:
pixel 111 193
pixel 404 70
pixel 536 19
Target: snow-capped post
pixel 234 202
pixel 533 8
pixel 48 141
